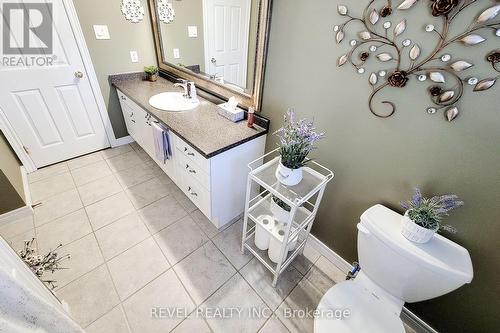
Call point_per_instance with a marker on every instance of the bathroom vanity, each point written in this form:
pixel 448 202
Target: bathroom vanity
pixel 210 154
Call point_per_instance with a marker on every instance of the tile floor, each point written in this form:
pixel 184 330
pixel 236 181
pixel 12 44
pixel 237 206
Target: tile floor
pixel 137 243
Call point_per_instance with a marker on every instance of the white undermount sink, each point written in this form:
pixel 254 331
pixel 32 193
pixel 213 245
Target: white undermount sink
pixel 173 101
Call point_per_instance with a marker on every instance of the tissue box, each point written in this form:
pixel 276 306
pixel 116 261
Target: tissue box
pixel 232 114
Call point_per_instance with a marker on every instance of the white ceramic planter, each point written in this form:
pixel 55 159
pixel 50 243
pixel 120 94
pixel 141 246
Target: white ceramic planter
pixel 288 176
pixel 415 233
pixel 279 213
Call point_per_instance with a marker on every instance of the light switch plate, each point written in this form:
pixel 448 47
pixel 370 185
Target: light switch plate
pixel 192 31
pixel 101 32
pixel 134 57
pixel 177 54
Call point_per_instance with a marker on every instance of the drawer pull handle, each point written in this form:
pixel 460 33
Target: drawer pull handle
pixel 191 192
pixel 131 114
pixel 123 98
pixel 190 154
pixel 132 120
pixel 192 171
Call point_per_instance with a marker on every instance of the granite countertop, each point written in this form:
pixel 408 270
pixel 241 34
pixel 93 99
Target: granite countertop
pixel 203 128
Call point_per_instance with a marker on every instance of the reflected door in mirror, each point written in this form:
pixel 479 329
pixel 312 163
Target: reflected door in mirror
pixel 227 25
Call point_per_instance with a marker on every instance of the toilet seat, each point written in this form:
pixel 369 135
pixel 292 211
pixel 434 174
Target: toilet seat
pixel 367 312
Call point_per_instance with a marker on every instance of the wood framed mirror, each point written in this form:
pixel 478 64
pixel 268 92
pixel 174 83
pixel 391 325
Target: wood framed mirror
pixel 220 45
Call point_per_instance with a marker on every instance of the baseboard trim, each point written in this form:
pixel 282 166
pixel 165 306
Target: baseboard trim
pixel 16 214
pixel 408 317
pixel 122 141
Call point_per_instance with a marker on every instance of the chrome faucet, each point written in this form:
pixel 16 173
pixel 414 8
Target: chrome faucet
pixel 189 89
pixel 184 84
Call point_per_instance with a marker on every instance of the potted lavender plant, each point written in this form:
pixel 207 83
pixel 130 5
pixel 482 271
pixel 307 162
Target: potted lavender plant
pixel 423 216
pixel 297 139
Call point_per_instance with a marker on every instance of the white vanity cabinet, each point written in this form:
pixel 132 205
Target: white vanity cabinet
pixel 216 185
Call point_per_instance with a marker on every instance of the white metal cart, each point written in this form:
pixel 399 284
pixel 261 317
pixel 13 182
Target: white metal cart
pixel 303 200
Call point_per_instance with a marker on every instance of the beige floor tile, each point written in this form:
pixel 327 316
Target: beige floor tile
pixel 303 297
pixel 165 292
pixel 112 152
pixel 229 242
pixel 193 324
pixel 124 161
pixel 112 322
pixel 49 171
pixel 260 278
pixel 121 235
pixel 204 271
pixel 90 173
pixel 57 206
pixel 13 228
pixel 63 230
pixel 185 202
pixel 99 189
pixel 134 175
pixel 323 275
pixel 51 186
pixel 135 146
pixel 17 242
pixel 237 293
pixel 136 267
pixel 204 223
pixel 85 256
pixel 162 213
pixel 84 160
pixel 146 193
pixel 109 210
pixel 274 325
pixel 180 239
pixel 305 261
pixel 90 297
pixel 145 158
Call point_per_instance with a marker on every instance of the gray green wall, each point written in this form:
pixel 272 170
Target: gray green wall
pixel 113 56
pixel 379 161
pixel 11 181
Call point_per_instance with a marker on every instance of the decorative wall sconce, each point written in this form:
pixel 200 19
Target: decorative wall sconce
pixel 166 12
pixel 133 10
pixel 387 44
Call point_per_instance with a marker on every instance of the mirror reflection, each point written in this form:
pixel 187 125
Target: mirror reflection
pixel 213 38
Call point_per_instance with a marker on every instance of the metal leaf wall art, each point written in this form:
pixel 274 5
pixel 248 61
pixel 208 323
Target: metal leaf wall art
pixel 446 74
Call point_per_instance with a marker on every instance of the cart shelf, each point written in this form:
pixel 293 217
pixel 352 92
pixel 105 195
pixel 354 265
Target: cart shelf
pixel 304 200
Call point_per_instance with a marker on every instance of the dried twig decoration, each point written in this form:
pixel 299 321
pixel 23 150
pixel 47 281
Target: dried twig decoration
pixel 379 37
pixel 40 264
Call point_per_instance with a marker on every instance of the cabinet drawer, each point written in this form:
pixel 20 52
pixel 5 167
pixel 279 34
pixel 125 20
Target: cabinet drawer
pixel 191 169
pixel 196 193
pixel 192 154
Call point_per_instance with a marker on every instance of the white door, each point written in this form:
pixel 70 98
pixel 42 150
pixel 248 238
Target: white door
pixel 226 24
pixel 49 103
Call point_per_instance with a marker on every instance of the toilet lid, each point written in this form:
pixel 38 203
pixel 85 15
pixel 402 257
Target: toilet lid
pixel 350 308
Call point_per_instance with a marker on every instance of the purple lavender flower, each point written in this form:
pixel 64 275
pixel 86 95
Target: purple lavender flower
pixel 296 140
pixel 429 212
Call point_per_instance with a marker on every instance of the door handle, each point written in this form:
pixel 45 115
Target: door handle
pixel 78 74
pixel 213 60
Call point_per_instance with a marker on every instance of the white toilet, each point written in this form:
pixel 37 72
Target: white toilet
pixel 393 271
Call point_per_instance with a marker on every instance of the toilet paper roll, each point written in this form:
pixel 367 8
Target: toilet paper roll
pixel 262 236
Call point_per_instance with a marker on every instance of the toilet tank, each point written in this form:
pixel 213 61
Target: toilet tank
pixel 409 271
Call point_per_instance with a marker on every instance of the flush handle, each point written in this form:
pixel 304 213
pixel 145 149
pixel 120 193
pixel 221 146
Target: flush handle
pixel 363 229
pixel 78 74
